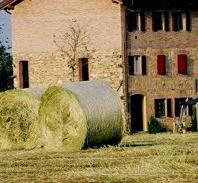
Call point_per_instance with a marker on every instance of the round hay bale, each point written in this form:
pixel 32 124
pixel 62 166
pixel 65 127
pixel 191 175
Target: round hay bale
pixel 19 125
pixel 77 115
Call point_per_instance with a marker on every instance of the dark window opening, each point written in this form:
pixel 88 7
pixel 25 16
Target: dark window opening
pixel 169 107
pixel 196 85
pixel 159 108
pixel 166 21
pixel 161 64
pixel 132 21
pixel 182 64
pixel 136 21
pixel 188 21
pixel 83 69
pixel 177 21
pixel 190 108
pixel 144 71
pixel 23 74
pixel 137 65
pixel 157 21
pixel 143 21
pixel 178 105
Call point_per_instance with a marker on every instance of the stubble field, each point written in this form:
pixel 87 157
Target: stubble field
pixel 139 158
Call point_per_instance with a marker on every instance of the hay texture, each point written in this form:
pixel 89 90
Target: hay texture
pixel 77 115
pixel 19 126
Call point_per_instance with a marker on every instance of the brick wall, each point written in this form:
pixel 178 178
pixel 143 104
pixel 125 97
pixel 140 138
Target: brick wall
pixel 172 85
pixel 35 22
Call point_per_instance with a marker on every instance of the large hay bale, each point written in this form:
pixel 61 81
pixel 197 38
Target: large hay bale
pixel 77 115
pixel 19 125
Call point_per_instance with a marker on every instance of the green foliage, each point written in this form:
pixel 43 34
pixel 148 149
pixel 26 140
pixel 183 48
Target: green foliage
pixel 6 70
pixel 155 126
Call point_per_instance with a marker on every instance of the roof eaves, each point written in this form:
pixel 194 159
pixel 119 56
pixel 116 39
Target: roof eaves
pixel 7 4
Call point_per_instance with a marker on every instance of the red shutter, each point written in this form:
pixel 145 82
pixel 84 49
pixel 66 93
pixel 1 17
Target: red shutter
pixel 182 64
pixel 161 64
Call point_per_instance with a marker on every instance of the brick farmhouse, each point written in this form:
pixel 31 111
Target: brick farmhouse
pixel 147 50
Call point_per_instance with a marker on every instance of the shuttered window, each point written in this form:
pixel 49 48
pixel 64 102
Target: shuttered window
pixel 159 108
pixel 177 21
pixel 182 64
pixel 137 65
pixel 136 21
pixel 132 21
pixel 163 108
pixel 188 21
pixel 161 64
pixel 169 107
pixel 144 67
pixel 166 21
pixel 143 21
pixel 157 21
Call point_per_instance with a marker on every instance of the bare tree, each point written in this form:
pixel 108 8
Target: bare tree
pixel 72 44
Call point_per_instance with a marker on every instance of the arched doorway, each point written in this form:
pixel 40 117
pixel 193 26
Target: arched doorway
pixel 137 112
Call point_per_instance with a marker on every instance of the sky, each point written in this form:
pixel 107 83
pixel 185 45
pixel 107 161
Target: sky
pixel 6 27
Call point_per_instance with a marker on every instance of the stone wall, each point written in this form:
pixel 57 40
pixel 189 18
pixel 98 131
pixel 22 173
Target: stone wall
pixel 36 22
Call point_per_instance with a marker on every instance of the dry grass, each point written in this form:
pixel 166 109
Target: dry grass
pixel 140 158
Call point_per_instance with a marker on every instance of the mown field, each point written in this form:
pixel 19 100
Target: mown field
pixel 139 158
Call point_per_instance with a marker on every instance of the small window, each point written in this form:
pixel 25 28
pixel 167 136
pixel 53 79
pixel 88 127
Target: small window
pixel 83 69
pixel 161 64
pixel 190 108
pixel 136 21
pixel 169 107
pixel 23 74
pixel 166 21
pixel 163 108
pixel 178 104
pixel 177 21
pixel 137 65
pixel 132 21
pixel 182 64
pixel 181 21
pixel 159 108
pixel 157 21
pixel 188 21
pixel 196 85
pixel 143 21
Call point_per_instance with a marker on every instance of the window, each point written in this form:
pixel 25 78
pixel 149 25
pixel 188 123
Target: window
pixel 181 21
pixel 178 105
pixel 166 21
pixel 137 65
pixel 161 64
pixel 83 69
pixel 136 21
pixel 188 21
pixel 161 21
pixel 190 108
pixel 177 21
pixel 169 107
pixel 159 108
pixel 182 64
pixel 196 85
pixel 23 74
pixel 163 108
pixel 157 21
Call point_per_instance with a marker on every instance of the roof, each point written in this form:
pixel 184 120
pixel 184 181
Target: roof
pixel 134 4
pixel 161 4
pixel 8 4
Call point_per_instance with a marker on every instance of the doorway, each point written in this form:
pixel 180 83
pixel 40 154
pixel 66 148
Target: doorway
pixel 137 110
